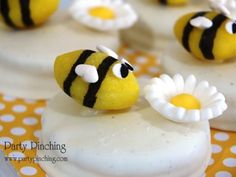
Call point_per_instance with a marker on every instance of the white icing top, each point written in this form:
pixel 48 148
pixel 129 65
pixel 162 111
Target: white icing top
pixel 87 72
pixel 132 143
pixel 201 22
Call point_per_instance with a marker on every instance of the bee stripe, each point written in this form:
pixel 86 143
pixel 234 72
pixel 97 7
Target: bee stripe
pixel 188 29
pixel 72 75
pixel 163 2
pixel 25 11
pixel 103 68
pixel 207 40
pixel 4 10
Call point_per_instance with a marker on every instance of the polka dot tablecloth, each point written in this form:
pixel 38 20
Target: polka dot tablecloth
pixel 20 123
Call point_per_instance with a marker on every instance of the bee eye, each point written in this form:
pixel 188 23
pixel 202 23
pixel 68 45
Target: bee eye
pixel 120 70
pixel 231 27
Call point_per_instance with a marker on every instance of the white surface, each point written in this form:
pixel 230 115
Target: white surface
pixel 176 60
pixel 27 57
pixel 155 27
pixel 135 143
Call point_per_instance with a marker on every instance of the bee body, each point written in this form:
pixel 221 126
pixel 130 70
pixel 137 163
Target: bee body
pixel 26 13
pixel 214 43
pixel 107 93
pixel 173 2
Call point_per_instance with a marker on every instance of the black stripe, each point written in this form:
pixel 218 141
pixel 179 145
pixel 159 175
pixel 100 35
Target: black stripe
pixel 72 75
pixel 5 10
pixel 207 40
pixel 188 29
pixel 25 12
pixel 164 2
pixel 103 68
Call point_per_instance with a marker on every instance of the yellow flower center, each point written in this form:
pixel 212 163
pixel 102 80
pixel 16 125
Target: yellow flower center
pixel 186 101
pixel 102 12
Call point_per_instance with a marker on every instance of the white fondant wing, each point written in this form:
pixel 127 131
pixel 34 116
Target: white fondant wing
pixel 108 51
pixel 87 72
pixel 201 22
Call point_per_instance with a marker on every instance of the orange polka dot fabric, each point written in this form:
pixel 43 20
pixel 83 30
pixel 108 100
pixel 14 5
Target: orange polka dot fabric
pixel 20 122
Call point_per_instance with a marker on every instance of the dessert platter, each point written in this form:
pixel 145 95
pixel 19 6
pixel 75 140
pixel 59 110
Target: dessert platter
pixel 32 35
pixel 208 39
pixel 156 21
pixel 108 134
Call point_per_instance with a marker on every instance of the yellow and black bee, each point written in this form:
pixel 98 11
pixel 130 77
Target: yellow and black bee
pixel 207 35
pixel 97 79
pixel 173 2
pixel 26 13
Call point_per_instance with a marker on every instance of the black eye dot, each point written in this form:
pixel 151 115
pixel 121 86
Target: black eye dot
pixel 124 71
pixel 129 66
pixel 234 28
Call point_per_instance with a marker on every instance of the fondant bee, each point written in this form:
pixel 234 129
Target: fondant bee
pixel 173 2
pixel 208 35
pixel 26 13
pixel 99 80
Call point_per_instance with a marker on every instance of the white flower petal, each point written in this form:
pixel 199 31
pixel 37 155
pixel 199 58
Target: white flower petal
pixel 190 84
pixel 179 83
pixel 199 90
pixel 169 83
pixel 206 114
pixel 192 115
pixel 207 98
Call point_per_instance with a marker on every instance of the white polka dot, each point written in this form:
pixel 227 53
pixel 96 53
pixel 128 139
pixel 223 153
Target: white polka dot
pixel 230 162
pixel 39 111
pixel 154 70
pixel 2 106
pixel 9 98
pixel 5 139
pixel 30 101
pixel 18 131
pixel 19 108
pixel 216 148
pixel 141 60
pixel 1 127
pixel 16 154
pixel 211 162
pixel 136 68
pixel 7 118
pixel 37 133
pixel 129 51
pixel 221 136
pixel 29 144
pixel 28 171
pixel 223 174
pixel 233 149
pixel 30 121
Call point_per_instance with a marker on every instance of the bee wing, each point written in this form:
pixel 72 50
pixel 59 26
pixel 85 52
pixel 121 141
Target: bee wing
pixel 108 51
pixel 87 72
pixel 201 22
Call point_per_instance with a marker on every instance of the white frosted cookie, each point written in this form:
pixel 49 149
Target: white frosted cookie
pixel 136 142
pixel 27 56
pixel 154 29
pixel 176 60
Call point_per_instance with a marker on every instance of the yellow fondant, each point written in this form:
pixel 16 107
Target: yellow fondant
pixel 223 42
pixel 174 2
pixel 39 12
pixel 186 101
pixel 102 12
pixel 114 93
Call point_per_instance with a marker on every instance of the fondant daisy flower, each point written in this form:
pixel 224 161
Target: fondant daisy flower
pixel 184 100
pixel 104 15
